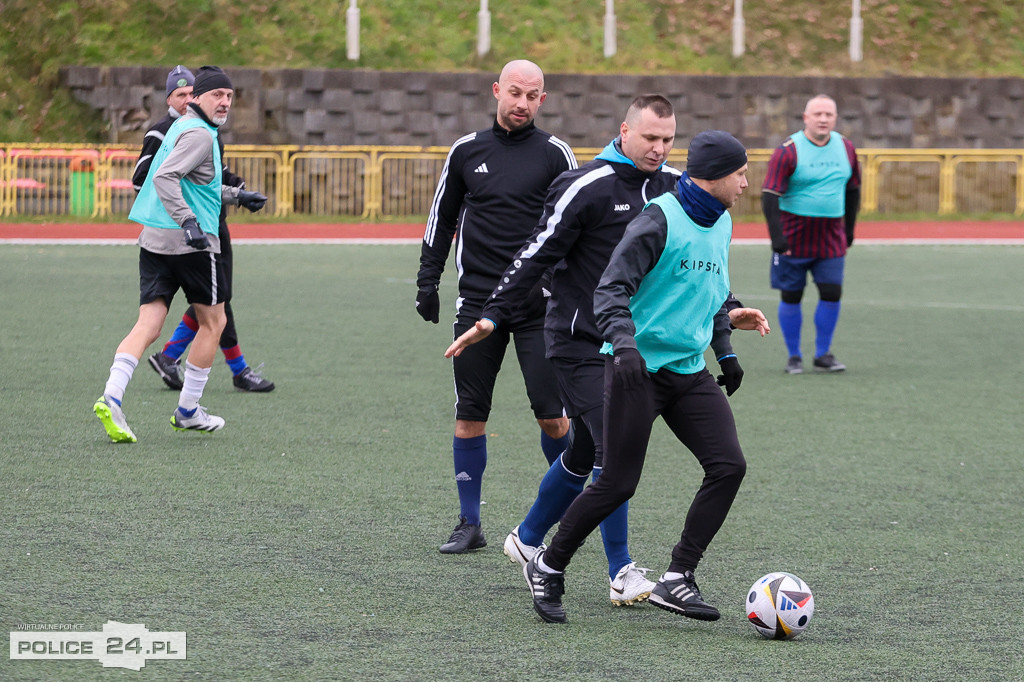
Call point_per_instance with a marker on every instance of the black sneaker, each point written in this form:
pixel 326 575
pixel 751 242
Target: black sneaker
pixel 168 369
pixel 828 363
pixel 547 590
pixel 682 597
pixel 464 538
pixel 795 365
pixel 252 381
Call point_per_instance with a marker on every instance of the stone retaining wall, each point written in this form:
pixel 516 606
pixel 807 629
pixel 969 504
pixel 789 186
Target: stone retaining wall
pixel 358 107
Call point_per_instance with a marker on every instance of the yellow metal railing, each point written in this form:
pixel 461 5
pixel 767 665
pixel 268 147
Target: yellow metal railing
pixel 375 181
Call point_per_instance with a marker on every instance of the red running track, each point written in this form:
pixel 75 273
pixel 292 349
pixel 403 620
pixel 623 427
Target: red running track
pixel 934 232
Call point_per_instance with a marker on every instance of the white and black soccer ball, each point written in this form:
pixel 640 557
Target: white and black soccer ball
pixel 780 605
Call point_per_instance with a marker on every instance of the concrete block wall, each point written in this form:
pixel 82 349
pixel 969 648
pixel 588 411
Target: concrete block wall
pixel 359 107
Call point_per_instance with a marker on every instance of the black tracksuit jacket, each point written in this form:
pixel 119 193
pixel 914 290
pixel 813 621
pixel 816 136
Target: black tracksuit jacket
pixel 585 215
pixel 492 188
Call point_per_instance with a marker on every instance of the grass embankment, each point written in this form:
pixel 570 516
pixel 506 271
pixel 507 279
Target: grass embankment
pixel 919 37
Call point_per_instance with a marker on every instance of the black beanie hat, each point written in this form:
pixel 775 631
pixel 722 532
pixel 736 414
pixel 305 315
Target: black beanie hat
pixel 210 78
pixel 713 154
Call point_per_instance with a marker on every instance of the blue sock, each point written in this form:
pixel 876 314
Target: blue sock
pixel 790 319
pixel 553 447
pixel 470 462
pixel 558 489
pixel 233 356
pixel 615 536
pixel 182 336
pixel 826 316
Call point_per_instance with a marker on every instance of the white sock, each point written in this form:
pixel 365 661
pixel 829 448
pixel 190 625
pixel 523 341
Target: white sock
pixel 120 374
pixel 671 575
pixel 192 387
pixel 544 567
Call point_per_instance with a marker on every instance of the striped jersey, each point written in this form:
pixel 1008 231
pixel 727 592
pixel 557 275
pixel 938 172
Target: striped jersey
pixel 813 236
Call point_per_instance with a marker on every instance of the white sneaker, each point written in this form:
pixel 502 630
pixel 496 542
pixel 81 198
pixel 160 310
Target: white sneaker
pixel 630 586
pixel 200 421
pixel 518 552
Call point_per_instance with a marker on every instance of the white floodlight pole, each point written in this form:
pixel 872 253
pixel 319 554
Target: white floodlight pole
pixel 610 45
pixel 483 29
pixel 856 34
pixel 737 29
pixel 352 31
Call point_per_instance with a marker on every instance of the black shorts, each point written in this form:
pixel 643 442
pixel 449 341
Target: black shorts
pixel 476 370
pixel 200 275
pixel 581 386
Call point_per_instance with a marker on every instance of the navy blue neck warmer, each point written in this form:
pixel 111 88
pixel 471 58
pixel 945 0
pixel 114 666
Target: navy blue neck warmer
pixel 698 204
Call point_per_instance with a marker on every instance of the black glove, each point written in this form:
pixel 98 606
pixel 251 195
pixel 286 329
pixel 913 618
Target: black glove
pixel 536 303
pixel 780 244
pixel 428 304
pixel 253 201
pixel 628 369
pixel 849 236
pixel 732 374
pixel 194 236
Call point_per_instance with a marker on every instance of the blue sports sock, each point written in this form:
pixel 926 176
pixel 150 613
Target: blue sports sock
pixel 790 319
pixel 470 462
pixel 182 336
pixel 615 536
pixel 558 489
pixel 233 356
pixel 553 447
pixel 826 316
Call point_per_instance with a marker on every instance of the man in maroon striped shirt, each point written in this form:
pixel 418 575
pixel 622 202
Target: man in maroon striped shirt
pixel 810 199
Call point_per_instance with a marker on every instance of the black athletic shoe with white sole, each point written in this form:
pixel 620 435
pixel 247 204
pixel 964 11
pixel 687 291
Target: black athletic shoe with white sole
pixel 547 590
pixel 252 381
pixel 828 363
pixel 168 369
pixel 465 537
pixel 682 597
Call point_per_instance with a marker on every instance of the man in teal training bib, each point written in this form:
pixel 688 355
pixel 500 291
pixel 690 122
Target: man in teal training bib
pixel 662 301
pixel 179 208
pixel 810 198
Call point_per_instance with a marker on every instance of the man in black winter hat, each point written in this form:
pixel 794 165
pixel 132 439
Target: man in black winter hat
pixel 663 299
pixel 179 248
pixel 167 363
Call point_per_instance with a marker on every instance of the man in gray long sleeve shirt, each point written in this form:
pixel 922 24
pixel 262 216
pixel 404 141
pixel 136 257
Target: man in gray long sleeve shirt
pixel 179 207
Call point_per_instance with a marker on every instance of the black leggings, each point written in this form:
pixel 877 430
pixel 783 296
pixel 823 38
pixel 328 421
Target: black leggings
pixel 698 413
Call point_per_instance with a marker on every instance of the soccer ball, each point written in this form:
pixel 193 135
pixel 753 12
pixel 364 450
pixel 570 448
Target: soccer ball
pixel 780 605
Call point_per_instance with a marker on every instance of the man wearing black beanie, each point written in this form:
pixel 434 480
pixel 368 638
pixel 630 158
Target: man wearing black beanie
pixel 166 362
pixel 662 301
pixel 178 207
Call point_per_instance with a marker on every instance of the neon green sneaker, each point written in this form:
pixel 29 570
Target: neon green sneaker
pixel 110 413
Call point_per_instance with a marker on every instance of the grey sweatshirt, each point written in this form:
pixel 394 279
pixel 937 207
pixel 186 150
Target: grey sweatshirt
pixel 191 158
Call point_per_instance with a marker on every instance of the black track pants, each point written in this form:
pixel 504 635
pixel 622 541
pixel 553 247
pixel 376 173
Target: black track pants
pixel 698 413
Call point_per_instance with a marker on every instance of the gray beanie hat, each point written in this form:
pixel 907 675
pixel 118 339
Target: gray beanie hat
pixel 179 77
